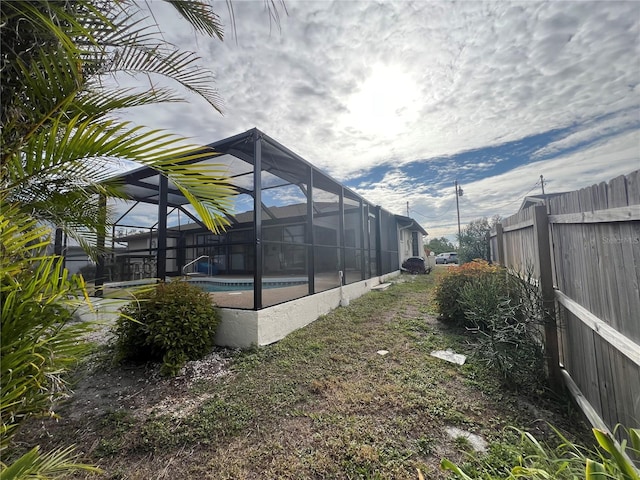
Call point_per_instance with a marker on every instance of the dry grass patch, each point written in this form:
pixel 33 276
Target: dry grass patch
pixel 319 404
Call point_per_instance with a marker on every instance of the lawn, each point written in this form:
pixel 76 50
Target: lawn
pixel 322 403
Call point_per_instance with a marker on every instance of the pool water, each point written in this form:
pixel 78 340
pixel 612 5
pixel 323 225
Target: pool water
pixel 209 286
pixel 221 285
pixel 212 287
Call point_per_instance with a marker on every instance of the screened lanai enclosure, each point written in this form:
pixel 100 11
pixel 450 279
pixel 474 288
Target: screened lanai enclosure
pixel 295 231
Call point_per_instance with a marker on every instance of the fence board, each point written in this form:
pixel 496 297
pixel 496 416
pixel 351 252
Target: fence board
pixel 518 226
pixel 618 198
pixel 604 380
pixel 626 377
pixel 619 214
pixel 622 343
pixel 583 366
pixel 633 188
pixel 592 299
pixel 632 328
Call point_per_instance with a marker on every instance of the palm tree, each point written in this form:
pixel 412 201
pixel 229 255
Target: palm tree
pixel 60 137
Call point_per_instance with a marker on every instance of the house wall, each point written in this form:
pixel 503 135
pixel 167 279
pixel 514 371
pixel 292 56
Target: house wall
pixel 405 244
pixel 141 246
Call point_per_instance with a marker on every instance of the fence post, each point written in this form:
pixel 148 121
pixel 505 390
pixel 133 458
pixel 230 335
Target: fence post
pixel 543 258
pixel 500 244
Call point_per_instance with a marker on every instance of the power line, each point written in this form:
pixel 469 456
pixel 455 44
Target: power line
pixel 519 197
pixel 437 216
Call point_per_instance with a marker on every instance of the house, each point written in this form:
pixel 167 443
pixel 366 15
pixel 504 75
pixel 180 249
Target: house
pixel 410 237
pixel 302 244
pixel 540 199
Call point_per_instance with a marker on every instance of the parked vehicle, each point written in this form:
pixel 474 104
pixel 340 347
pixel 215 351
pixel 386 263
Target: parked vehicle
pixel 415 265
pixel 448 257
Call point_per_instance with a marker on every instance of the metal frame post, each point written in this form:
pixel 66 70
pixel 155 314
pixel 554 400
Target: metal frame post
pixel 378 211
pixel 257 220
pixel 362 239
pixel 181 254
pixel 342 259
pixel 161 252
pixel 57 245
pixel 100 244
pixel 311 274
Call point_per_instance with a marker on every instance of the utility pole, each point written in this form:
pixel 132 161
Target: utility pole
pixel 407 209
pixel 542 183
pixel 458 194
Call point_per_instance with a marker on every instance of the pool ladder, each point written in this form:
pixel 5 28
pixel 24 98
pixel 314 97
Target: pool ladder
pixel 195 274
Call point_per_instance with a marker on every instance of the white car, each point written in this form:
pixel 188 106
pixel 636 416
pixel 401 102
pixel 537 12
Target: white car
pixel 448 257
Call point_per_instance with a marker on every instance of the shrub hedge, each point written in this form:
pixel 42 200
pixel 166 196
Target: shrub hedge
pixel 174 322
pixel 506 314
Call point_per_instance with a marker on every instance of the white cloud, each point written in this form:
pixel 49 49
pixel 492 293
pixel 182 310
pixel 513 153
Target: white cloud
pixel 503 194
pixel 351 85
pixel 413 80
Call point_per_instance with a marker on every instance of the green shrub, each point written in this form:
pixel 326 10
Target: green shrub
pixel 506 312
pixel 503 311
pixel 447 292
pixel 172 323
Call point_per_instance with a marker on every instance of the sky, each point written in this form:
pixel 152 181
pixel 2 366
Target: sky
pixel 397 100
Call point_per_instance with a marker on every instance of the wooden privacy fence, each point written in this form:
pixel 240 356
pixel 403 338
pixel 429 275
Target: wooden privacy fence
pixel 583 248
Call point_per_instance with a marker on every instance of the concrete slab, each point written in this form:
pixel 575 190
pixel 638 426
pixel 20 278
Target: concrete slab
pixel 450 356
pixel 478 443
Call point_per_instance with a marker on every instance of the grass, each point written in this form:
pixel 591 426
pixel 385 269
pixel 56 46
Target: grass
pixel 323 404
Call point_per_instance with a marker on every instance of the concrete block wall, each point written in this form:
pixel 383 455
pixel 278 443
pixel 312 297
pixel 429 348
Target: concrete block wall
pixel 243 328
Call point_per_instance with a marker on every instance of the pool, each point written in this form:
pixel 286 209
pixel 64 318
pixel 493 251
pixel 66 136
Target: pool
pixel 213 284
pixel 220 284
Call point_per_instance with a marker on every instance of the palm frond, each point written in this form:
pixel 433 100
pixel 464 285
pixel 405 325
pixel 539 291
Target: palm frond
pixel 200 15
pixel 59 140
pixel 176 65
pixel 73 156
pixel 79 214
pixel 99 103
pixel 39 342
pixel 34 464
pixel 49 22
pixel 207 189
pixel 49 85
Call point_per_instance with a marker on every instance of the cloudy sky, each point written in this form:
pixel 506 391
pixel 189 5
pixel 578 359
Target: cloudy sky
pixel 397 100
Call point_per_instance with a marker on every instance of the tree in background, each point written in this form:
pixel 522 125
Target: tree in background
pixel 440 245
pixel 474 240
